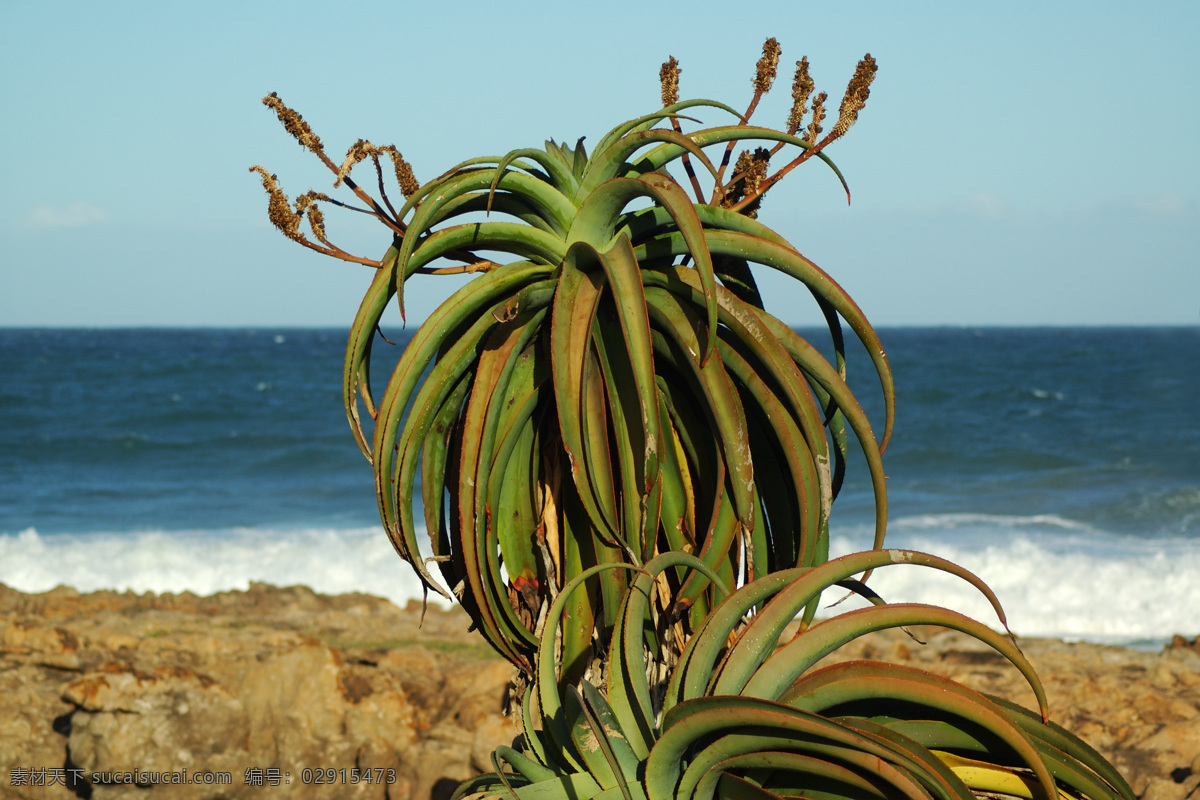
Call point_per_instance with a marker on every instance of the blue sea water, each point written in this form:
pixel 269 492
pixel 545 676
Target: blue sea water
pixel 1060 464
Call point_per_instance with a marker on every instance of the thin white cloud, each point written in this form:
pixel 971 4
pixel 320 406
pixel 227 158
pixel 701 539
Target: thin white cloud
pixel 74 215
pixel 989 205
pixel 1168 204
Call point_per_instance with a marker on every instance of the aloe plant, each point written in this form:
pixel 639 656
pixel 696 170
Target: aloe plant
pixel 762 718
pixel 616 390
pixel 627 468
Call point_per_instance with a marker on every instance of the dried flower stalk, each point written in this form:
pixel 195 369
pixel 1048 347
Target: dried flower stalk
pixel 303 133
pixel 764 76
pixel 802 88
pixel 749 173
pixel 306 205
pixel 853 102
pixel 279 209
pixel 856 96
pixel 294 124
pixel 668 76
pixel 818 116
pixel 360 150
pixel 288 219
pixel 409 185
pixel 767 67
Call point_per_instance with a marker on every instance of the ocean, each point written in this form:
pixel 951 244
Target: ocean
pixel 1062 465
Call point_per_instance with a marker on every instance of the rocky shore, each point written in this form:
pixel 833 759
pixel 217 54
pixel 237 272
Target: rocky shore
pixel 281 692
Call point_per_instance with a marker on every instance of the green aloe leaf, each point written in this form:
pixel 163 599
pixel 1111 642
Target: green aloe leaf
pixel 720 719
pixel 435 464
pixel 554 207
pixel 624 280
pixel 595 433
pixel 576 299
pixel 836 780
pixel 919 760
pixel 786 463
pixel 480 551
pixel 579 623
pixel 787 663
pixel 356 374
pixel 1049 736
pixel 628 439
pixel 645 122
pixel 676 336
pixel 517 238
pixel 628 687
pixel 511 491
pixel 846 683
pixel 756 249
pixel 743 329
pixel 610 162
pixel 606 722
pixel 590 740
pixel 394 483
pixel 598 219
pixel 561 173
pixel 482 203
pixel 788 591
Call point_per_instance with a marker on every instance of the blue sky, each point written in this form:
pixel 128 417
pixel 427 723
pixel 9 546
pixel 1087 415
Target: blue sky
pixel 1017 163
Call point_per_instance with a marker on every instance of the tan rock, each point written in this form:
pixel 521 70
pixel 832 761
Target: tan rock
pixel 252 688
pixel 286 680
pixel 49 647
pixel 1173 749
pixel 32 720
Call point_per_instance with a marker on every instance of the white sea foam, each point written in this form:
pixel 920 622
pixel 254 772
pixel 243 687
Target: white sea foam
pixel 1054 576
pixel 328 560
